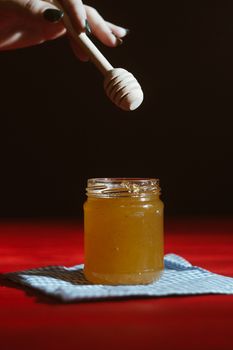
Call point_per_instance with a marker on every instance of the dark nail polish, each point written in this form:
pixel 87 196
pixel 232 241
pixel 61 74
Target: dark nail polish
pixel 127 31
pixel 87 26
pixel 53 15
pixel 119 41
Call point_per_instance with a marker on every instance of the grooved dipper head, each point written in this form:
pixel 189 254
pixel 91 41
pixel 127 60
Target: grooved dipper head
pixel 123 89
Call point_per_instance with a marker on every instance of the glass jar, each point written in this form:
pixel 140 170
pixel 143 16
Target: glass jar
pixel 123 231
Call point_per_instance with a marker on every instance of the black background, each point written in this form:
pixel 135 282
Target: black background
pixel 58 127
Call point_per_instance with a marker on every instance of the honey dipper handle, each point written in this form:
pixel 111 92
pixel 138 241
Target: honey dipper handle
pixel 87 45
pixel 93 53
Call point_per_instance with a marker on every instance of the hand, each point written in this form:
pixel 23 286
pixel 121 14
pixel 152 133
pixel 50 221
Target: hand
pixel 30 22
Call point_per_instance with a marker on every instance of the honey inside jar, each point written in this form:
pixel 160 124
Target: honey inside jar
pixel 123 231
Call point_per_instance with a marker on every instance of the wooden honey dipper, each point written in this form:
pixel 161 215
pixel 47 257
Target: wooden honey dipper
pixel 120 85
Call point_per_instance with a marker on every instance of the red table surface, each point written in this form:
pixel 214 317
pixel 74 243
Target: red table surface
pixel 29 320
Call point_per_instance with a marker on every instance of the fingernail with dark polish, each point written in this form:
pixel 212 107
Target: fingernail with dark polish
pixel 88 28
pixel 119 41
pixel 53 15
pixel 127 31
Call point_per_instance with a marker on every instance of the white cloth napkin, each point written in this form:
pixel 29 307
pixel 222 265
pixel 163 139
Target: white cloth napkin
pixel 68 284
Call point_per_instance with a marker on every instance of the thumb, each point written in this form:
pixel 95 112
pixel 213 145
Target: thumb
pixel 44 9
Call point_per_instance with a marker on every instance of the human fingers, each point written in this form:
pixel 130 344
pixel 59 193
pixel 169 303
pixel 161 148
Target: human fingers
pixel 107 34
pixel 28 22
pixel 41 9
pixel 120 32
pixel 76 13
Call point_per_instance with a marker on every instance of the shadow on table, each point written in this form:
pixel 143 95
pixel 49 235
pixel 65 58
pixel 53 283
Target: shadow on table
pixel 40 297
pixel 16 280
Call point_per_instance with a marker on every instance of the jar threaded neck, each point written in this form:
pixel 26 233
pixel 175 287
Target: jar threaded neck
pixel 122 187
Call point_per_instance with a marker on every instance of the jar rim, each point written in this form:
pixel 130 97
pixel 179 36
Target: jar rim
pixel 122 187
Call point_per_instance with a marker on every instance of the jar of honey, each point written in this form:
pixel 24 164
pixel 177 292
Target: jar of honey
pixel 123 231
